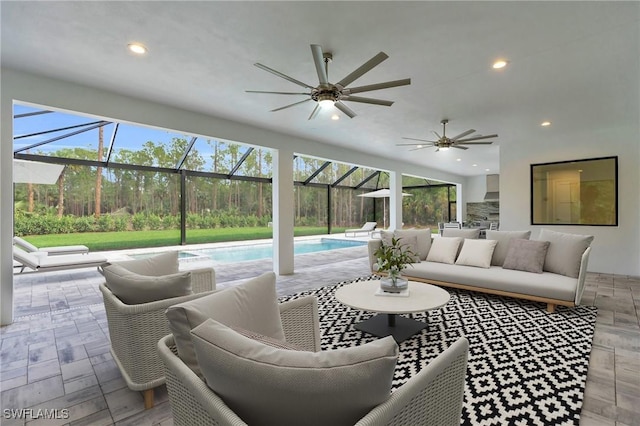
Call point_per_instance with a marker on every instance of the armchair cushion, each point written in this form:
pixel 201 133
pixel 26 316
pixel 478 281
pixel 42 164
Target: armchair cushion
pixel 132 288
pixel 160 264
pixel 252 305
pixel 266 385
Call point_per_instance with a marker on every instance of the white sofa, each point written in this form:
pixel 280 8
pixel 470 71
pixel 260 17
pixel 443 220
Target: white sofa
pixel 565 251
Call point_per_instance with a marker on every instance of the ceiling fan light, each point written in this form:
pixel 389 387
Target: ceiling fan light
pixel 325 102
pixel 444 148
pixel 137 48
pixel 335 117
pixel 499 64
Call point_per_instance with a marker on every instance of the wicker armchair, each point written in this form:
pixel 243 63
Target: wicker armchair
pixel 136 329
pixel 433 396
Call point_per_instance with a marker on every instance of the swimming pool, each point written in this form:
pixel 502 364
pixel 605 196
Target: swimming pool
pixel 258 251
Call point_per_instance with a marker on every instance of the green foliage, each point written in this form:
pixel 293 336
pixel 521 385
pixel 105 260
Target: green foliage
pixel 84 224
pixel 138 222
pixel 106 223
pixel 394 257
pixel 154 222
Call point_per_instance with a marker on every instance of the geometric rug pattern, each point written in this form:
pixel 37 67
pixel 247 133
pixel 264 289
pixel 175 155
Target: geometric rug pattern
pixel 525 366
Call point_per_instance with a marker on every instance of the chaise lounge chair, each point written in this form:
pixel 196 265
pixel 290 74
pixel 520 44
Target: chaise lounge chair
pixel 366 229
pixel 41 261
pixel 28 247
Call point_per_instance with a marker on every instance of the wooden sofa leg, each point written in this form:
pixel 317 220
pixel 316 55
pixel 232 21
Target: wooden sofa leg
pixel 148 398
pixel 551 307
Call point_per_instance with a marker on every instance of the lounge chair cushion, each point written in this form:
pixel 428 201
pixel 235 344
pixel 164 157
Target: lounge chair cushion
pixel 266 385
pixel 503 238
pixel 252 305
pixel 161 264
pixel 58 250
pixel 132 288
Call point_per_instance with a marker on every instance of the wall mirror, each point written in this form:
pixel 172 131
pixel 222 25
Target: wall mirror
pixel 578 192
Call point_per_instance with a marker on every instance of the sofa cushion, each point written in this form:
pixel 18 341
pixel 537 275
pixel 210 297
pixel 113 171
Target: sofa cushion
pixel 386 237
pixel 160 264
pixel 503 238
pixel 409 243
pixel 133 289
pixel 476 253
pixel 444 249
pixel 526 255
pixel 252 305
pixel 462 233
pixel 266 385
pixel 565 251
pixel 423 237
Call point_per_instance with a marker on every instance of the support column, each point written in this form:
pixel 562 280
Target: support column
pixel 395 200
pixel 283 212
pixel 6 210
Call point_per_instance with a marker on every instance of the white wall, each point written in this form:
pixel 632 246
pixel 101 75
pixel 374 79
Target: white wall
pixel 616 249
pixel 476 189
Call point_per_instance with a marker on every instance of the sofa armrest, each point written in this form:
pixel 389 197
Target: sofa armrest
pixel 431 397
pixel 192 402
pixel 301 324
pixel 582 275
pixel 372 246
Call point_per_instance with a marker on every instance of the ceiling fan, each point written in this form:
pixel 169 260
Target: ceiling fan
pixel 326 94
pixel 443 143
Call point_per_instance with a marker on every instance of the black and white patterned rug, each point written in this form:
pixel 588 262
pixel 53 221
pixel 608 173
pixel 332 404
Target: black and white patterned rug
pixel 526 366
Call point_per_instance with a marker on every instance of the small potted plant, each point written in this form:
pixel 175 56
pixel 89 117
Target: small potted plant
pixel 392 259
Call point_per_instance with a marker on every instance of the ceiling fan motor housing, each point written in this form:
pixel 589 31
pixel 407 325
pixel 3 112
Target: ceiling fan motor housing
pixel 325 92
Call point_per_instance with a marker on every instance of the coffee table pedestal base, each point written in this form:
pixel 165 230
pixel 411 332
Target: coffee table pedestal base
pixel 399 327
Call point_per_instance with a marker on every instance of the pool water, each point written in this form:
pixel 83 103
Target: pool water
pixel 265 251
pixel 259 251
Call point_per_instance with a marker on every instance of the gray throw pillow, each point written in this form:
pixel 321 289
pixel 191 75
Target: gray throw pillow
pixel 423 237
pixel 270 386
pixel 160 264
pixel 503 238
pixel 565 252
pixel 133 289
pixel 526 255
pixel 252 305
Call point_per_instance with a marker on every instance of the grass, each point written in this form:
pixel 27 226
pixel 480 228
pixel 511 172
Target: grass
pixel 100 241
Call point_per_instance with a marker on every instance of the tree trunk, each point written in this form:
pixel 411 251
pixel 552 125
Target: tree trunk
pixel 98 192
pixel 61 194
pixel 31 203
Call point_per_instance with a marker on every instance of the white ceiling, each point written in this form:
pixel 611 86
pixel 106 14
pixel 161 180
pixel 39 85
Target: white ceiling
pixel 569 62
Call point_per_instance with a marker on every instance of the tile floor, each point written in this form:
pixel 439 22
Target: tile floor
pixel 55 355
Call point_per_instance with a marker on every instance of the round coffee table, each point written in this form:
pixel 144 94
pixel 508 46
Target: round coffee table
pixel 362 295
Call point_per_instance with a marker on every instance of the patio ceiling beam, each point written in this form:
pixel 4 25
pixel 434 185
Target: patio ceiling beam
pixel 242 160
pixel 344 176
pixel 186 152
pixel 45 132
pixel 367 179
pixel 112 142
pixel 429 186
pixel 317 172
pixel 101 124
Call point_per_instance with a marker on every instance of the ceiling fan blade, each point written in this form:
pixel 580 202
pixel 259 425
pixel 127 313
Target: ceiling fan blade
pixel 476 138
pixel 318 59
pixel 314 112
pixel 378 86
pixel 437 135
pixel 342 107
pixel 420 140
pixel 363 69
pixel 463 134
pixel 414 144
pixel 279 74
pixel 277 93
pixel 474 143
pixel 290 105
pixel 421 147
pixel 459 147
pixel 366 100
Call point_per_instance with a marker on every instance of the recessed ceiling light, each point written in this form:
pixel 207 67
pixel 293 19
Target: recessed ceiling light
pixel 335 117
pixel 458 159
pixel 474 165
pixel 500 63
pixel 137 48
pixel 418 146
pixel 545 123
pixel 487 170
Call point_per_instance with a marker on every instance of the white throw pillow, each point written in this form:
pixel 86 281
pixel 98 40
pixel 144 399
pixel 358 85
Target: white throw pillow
pixel 476 253
pixel 444 249
pixel 271 386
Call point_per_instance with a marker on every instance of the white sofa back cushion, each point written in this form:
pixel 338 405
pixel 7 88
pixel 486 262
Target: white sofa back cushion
pixel 503 238
pixel 565 251
pixel 462 233
pixel 423 237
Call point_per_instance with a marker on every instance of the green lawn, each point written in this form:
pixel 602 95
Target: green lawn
pixel 97 241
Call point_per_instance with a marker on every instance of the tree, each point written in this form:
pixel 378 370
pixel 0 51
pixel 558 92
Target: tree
pixel 98 191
